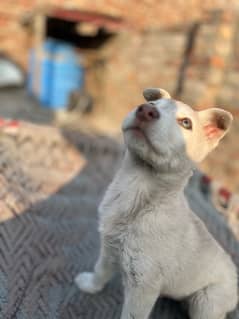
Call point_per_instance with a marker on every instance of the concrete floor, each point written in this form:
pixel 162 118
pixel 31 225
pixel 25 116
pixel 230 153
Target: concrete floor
pixel 17 104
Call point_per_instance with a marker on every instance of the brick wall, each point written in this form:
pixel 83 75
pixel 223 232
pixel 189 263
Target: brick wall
pixel 208 64
pixel 152 54
pixel 141 14
pixel 134 61
pixel 14 40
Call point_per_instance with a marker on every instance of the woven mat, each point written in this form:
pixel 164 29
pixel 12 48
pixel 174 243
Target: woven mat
pixel 50 185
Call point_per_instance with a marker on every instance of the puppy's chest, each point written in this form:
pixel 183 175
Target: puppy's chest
pixel 129 217
pixel 120 212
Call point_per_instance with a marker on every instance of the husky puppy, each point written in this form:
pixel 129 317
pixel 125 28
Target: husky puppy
pixel 147 229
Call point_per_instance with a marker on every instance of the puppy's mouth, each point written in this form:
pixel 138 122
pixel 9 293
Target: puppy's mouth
pixel 137 130
pixel 140 133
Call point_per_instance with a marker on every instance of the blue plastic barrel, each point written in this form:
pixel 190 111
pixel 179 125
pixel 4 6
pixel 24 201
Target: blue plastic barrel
pixel 40 71
pixel 67 75
pixel 54 72
pixel 45 72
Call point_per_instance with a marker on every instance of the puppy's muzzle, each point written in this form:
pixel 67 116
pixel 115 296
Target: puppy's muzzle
pixel 147 113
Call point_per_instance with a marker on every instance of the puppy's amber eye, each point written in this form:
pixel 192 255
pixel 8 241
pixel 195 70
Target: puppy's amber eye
pixel 185 123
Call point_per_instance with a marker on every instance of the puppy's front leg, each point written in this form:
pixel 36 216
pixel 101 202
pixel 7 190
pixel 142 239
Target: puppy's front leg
pixel 93 282
pixel 139 302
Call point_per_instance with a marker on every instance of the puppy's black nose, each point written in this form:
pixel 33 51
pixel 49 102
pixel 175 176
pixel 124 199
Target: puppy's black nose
pixel 147 112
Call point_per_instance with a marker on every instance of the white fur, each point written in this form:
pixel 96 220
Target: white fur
pixel 147 228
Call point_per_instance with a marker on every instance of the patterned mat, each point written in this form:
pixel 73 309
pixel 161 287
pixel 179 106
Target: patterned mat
pixel 50 185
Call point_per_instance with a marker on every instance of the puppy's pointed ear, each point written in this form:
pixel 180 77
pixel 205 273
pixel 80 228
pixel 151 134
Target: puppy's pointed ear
pixel 153 94
pixel 216 123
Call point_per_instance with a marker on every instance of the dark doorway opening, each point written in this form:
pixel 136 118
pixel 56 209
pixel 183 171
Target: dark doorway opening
pixel 68 32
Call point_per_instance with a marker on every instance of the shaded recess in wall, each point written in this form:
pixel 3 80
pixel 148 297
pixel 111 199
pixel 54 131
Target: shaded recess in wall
pixel 67 31
pixel 87 30
pixel 186 59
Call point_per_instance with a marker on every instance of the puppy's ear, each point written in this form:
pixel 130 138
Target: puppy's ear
pixel 153 94
pixel 216 123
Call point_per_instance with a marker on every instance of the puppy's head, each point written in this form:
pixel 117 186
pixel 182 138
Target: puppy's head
pixel 167 133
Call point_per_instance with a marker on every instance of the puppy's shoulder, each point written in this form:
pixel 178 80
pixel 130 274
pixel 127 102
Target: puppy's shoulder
pixel 126 194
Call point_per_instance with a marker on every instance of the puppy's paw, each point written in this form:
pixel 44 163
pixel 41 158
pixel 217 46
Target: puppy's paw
pixel 86 282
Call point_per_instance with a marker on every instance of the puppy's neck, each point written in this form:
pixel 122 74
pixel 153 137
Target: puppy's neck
pixel 161 180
